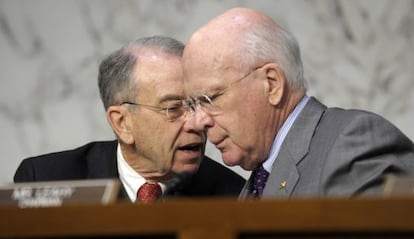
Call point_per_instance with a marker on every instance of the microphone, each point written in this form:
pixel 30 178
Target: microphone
pixel 176 182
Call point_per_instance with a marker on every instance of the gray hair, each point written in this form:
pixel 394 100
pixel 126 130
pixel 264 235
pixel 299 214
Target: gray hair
pixel 266 43
pixel 116 70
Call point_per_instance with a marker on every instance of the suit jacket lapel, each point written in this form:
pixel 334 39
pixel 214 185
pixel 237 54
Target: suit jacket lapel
pixel 102 160
pixel 102 163
pixel 285 175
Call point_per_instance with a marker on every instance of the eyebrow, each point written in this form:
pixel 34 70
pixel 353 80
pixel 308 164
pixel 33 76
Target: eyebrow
pixel 215 90
pixel 171 97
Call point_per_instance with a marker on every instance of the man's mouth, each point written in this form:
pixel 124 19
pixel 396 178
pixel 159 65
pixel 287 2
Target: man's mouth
pixel 217 142
pixel 192 147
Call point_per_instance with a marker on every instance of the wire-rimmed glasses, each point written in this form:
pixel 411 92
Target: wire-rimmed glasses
pixel 172 111
pixel 206 102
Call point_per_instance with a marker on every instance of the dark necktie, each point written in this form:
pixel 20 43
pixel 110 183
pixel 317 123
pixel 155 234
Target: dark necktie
pixel 149 192
pixel 259 181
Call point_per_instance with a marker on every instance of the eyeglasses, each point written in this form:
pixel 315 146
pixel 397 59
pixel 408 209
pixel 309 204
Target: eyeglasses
pixel 207 102
pixel 173 111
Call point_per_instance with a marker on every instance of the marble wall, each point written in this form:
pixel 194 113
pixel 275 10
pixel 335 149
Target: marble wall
pixel 357 54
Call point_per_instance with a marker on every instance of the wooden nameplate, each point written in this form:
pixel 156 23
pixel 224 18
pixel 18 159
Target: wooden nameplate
pixel 58 193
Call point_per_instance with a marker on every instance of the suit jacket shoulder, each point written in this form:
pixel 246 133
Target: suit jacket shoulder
pixel 362 149
pixel 91 161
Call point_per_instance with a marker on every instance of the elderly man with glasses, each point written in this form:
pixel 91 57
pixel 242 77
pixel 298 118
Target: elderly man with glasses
pixel 142 90
pixel 244 75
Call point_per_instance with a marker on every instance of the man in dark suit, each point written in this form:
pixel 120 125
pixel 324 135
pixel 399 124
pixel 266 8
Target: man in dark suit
pixel 141 86
pixel 245 75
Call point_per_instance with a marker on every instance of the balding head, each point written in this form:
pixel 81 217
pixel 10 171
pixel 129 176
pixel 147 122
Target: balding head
pixel 241 38
pixel 236 20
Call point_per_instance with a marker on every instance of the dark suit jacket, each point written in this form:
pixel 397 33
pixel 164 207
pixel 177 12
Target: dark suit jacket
pixel 98 160
pixel 337 152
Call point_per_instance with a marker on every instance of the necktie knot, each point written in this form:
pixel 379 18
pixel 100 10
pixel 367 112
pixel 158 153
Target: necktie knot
pixel 259 181
pixel 149 192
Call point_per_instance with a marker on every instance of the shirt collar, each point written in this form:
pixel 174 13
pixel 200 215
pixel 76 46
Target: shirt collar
pixel 281 134
pixel 130 179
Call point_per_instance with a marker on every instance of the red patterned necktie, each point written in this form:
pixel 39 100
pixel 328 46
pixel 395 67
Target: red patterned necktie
pixel 149 192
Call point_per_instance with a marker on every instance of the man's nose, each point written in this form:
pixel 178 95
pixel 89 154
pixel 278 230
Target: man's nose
pixel 197 120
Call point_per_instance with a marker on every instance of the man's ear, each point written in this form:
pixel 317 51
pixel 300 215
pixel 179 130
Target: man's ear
pixel 119 119
pixel 274 84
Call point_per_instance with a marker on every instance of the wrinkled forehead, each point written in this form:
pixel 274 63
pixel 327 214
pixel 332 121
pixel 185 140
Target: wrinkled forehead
pixel 160 77
pixel 206 65
pixel 206 74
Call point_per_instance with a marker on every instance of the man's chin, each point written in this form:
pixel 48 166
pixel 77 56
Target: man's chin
pixel 189 168
pixel 233 160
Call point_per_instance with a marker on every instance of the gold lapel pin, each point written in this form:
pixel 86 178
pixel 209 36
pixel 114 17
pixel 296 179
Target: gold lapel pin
pixel 282 184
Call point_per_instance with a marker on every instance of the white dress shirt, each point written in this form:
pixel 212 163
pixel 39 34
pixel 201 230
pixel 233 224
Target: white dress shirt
pixel 281 134
pixel 130 179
